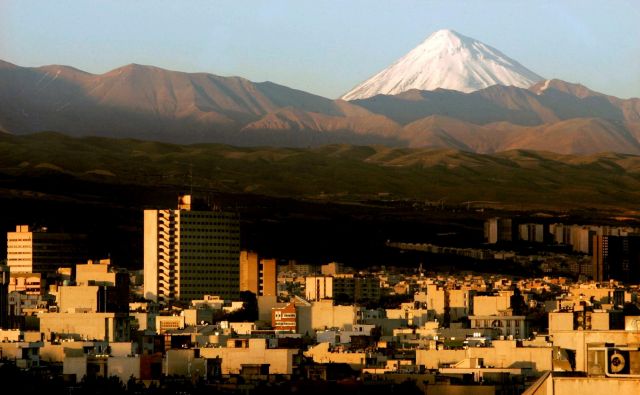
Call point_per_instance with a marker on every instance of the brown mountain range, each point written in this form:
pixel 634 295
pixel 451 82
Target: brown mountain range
pixel 152 103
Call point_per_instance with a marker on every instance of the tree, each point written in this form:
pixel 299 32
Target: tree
pixel 249 310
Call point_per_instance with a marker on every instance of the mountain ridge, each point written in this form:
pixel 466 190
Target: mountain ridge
pixel 152 103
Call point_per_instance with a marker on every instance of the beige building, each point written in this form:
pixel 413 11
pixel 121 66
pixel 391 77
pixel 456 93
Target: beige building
pixel 166 323
pixel 98 290
pixel 189 254
pixel 318 288
pixel 94 359
pixel 501 354
pixel 56 352
pixel 257 275
pixel 95 273
pixel 28 283
pixel 555 383
pixel 252 351
pixel 507 325
pixel 331 269
pixel 39 251
pixel 581 238
pixel 585 320
pixel 88 326
pixel 408 311
pixel 593 293
pixel 492 304
pixel 457 303
pixel 324 315
pixel 323 353
pixel 579 341
pixel 80 299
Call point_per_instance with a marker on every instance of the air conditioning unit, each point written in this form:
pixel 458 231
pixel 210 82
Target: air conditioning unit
pixel 579 322
pixel 613 360
pixel 622 362
pixel 618 361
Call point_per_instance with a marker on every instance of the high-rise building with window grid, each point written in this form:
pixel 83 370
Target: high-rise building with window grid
pixel 40 251
pixel 616 258
pixel 190 253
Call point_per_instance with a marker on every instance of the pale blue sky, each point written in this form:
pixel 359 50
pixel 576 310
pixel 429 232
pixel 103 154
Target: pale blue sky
pixel 323 47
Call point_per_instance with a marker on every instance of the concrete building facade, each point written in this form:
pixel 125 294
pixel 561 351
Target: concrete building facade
pixel 88 326
pixel 39 251
pixel 342 286
pixel 502 353
pixel 508 325
pixel 319 287
pixel 189 254
pixel 616 258
pixel 252 351
pixel 257 275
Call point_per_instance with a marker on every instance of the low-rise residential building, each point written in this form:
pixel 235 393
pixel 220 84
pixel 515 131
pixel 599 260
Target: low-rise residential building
pixel 85 326
pixel 512 326
pixel 252 351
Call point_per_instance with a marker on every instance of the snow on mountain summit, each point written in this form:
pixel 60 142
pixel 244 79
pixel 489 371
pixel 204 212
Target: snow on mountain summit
pixel 449 60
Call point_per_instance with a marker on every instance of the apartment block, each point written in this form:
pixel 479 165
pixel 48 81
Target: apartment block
pixel 40 251
pixel 616 258
pixel 343 286
pixel 190 253
pixel 257 275
pixel 498 230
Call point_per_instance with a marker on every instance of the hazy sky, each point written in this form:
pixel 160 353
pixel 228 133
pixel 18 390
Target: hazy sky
pixel 323 47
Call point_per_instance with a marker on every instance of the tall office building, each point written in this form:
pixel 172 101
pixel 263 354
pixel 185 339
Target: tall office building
pixel 40 251
pixel 190 253
pixel 257 275
pixel 616 258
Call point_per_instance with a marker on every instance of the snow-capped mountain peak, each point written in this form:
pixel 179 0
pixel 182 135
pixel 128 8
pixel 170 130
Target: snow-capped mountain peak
pixel 449 60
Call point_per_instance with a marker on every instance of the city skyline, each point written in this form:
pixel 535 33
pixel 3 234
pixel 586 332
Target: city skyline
pixel 185 213
pixel 210 309
pixel 318 49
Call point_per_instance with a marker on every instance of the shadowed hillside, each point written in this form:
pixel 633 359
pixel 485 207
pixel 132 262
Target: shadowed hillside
pixel 334 172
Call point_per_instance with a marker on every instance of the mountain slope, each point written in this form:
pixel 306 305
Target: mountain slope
pixel 583 136
pixel 442 132
pixel 50 164
pixel 447 60
pixel 143 101
pixel 601 105
pixel 155 104
pixel 504 103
